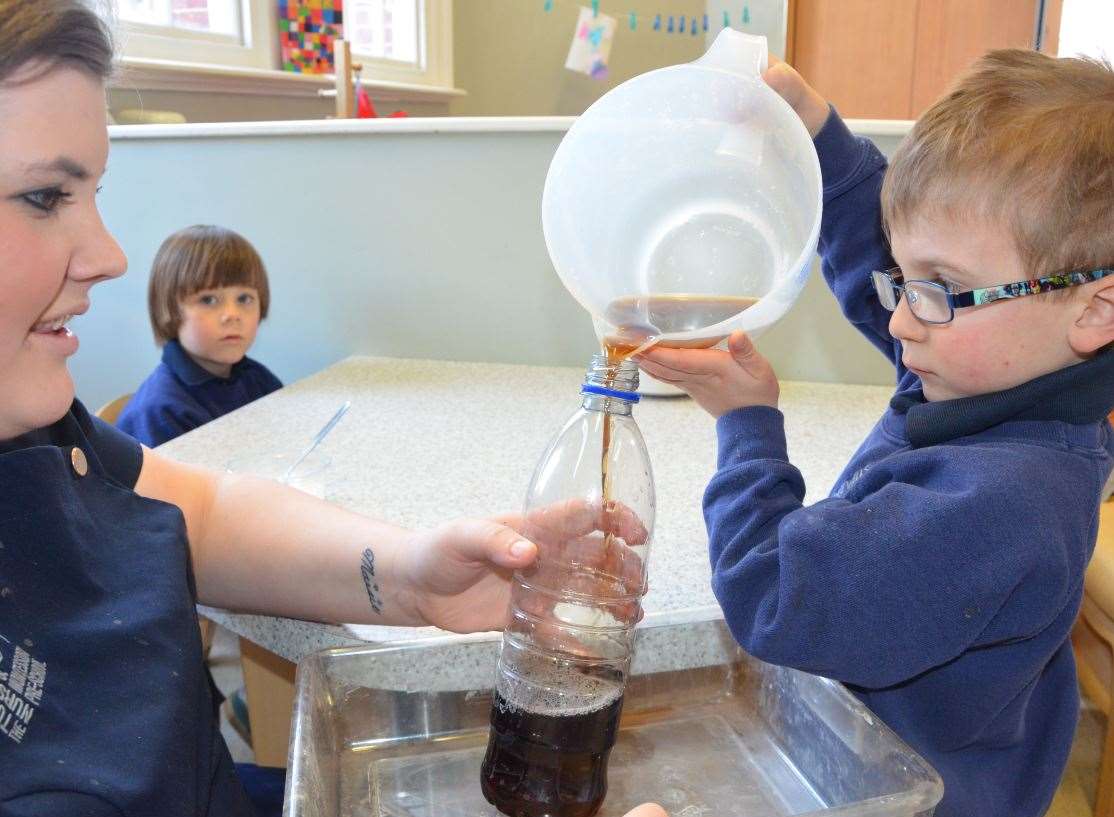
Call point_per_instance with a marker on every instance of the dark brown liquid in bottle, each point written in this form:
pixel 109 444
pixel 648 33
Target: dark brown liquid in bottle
pixel 548 765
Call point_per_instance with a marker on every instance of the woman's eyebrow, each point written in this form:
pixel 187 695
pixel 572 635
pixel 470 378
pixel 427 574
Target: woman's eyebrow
pixel 63 164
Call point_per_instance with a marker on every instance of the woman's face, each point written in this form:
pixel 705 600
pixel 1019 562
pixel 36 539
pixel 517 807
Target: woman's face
pixel 53 245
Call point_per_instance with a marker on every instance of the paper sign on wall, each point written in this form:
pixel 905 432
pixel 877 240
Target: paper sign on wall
pixel 591 44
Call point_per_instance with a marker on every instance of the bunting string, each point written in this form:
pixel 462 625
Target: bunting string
pixel 672 23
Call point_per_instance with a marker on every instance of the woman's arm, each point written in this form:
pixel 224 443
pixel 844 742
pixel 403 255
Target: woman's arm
pixel 261 547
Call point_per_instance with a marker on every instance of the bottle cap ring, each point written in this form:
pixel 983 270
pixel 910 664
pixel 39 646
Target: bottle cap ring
pixel 632 396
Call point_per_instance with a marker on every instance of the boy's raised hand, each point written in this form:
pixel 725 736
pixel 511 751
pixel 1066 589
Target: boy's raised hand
pixel 720 381
pixel 802 97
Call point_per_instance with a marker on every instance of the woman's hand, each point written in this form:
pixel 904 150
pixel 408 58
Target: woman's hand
pixel 591 548
pixel 720 381
pixel 802 97
pixel 458 574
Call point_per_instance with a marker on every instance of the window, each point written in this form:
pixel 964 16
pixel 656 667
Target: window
pixel 220 18
pixel 385 29
pixel 238 33
pixel 1087 27
pixel 206 45
pixel 402 40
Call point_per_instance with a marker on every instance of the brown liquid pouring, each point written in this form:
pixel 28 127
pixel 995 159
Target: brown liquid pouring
pixel 637 319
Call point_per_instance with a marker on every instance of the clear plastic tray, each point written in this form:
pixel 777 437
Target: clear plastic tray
pixel 739 738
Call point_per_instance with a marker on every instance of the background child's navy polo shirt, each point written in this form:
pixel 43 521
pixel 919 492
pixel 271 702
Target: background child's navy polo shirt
pixel 179 396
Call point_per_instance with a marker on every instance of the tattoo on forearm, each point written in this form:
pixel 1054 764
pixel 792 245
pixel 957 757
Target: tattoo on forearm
pixel 367 570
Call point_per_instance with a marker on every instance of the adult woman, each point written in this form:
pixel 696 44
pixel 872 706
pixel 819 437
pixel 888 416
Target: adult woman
pixel 106 546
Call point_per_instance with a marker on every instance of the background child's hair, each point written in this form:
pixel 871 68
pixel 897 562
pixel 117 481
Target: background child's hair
pixel 1023 140
pixel 197 258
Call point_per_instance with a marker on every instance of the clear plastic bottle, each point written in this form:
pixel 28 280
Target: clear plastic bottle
pixel 566 653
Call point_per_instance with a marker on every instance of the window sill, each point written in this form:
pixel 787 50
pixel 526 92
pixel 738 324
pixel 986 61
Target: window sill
pixel 332 127
pixel 166 75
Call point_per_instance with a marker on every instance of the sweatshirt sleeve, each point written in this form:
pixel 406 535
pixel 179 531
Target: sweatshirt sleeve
pixel 876 590
pixel 852 242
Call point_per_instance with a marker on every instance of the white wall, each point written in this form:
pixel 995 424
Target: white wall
pixel 382 240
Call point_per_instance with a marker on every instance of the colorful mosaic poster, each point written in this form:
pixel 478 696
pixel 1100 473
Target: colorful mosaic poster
pixel 307 29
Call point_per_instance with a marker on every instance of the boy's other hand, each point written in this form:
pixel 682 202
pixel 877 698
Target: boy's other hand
pixel 720 381
pixel 802 97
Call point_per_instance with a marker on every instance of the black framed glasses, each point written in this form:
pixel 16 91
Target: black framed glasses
pixel 931 302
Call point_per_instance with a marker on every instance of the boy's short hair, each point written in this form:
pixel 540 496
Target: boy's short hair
pixel 1023 140
pixel 196 258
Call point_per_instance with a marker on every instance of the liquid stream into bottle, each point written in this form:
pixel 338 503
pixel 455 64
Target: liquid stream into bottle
pixel 640 321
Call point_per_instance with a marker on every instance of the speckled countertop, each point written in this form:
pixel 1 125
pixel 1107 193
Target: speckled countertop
pixel 426 441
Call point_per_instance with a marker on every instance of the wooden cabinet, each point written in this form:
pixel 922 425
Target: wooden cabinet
pixel 890 59
pixel 857 53
pixel 951 34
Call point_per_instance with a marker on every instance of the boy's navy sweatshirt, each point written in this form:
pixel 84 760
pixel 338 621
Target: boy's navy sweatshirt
pixel 179 396
pixel 941 578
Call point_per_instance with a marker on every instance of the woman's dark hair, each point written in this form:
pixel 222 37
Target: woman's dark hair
pixel 49 33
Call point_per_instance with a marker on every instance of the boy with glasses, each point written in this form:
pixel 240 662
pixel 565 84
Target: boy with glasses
pixel 941 578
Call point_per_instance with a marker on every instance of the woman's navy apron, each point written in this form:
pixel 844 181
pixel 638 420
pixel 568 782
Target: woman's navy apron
pixel 104 705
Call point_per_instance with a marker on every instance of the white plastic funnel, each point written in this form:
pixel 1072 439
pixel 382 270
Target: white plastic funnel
pixel 691 180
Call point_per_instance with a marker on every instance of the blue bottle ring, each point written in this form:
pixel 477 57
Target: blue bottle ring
pixel 632 396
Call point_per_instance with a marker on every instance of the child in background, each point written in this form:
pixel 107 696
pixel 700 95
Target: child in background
pixel 942 576
pixel 207 294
